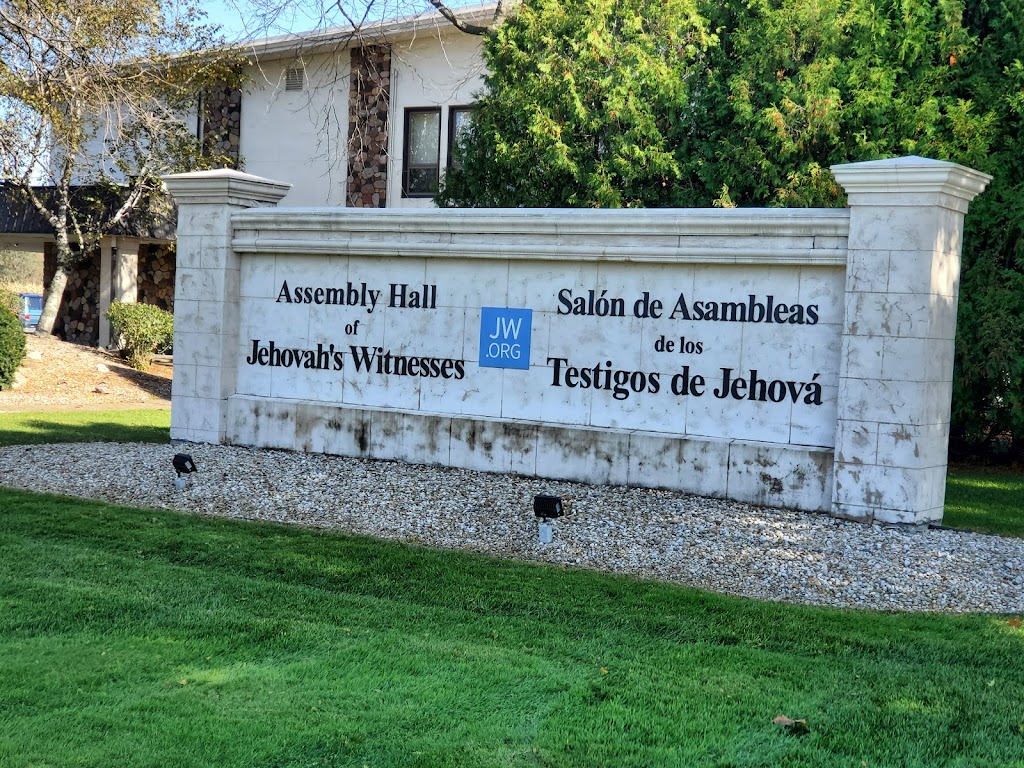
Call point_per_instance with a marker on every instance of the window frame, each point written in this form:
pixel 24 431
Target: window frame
pixel 407 166
pixel 453 110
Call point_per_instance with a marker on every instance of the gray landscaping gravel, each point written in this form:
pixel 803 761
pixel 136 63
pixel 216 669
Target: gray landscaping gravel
pixel 723 546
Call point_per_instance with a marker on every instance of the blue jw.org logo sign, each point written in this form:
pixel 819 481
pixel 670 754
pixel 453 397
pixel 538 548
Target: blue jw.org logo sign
pixel 505 337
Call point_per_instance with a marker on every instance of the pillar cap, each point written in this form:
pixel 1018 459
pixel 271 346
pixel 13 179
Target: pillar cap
pixel 225 186
pixel 909 176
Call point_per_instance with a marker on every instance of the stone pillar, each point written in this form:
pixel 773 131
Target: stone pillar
pixel 896 370
pixel 126 271
pixel 206 318
pixel 369 103
pixel 222 123
pixel 107 250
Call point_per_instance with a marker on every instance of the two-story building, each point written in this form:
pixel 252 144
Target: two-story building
pixel 349 117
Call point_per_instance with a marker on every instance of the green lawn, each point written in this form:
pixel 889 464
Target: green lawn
pixel 137 426
pixel 989 500
pixel 142 638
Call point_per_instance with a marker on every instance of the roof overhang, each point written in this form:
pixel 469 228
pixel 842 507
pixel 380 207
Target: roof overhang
pixel 372 32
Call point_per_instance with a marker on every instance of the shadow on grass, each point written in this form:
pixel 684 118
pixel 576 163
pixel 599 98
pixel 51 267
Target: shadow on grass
pixel 127 427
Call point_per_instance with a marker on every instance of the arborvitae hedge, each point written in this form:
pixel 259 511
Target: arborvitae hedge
pixel 748 104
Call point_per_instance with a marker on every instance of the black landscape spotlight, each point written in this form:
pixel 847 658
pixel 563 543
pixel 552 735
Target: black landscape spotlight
pixel 545 508
pixel 183 465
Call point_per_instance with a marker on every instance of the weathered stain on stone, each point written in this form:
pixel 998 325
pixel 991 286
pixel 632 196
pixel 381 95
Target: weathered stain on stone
pixel 822 462
pixel 843 513
pixel 435 431
pixel 771 484
pixel 362 435
pixel 305 422
pixel 901 435
pixel 680 452
pixel 520 439
pixel 844 459
pixel 334 424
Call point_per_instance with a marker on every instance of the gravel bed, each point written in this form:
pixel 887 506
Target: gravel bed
pixel 718 545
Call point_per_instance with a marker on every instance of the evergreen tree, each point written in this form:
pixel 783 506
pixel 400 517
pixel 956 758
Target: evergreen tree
pixel 748 103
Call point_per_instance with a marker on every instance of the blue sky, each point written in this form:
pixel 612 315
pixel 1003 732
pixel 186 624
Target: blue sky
pixel 235 15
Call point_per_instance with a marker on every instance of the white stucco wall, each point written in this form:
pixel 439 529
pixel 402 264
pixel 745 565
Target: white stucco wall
pixel 436 68
pixel 299 135
pixel 303 135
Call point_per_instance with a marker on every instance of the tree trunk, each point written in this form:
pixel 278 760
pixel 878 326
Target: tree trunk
pixel 51 305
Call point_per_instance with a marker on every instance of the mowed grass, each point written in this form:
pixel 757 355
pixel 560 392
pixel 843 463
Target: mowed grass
pixel 143 638
pixel 120 426
pixel 985 499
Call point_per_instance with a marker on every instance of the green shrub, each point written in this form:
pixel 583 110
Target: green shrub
pixel 12 346
pixel 11 300
pixel 142 329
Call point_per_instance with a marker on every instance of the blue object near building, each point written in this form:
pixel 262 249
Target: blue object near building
pixel 505 337
pixel 30 310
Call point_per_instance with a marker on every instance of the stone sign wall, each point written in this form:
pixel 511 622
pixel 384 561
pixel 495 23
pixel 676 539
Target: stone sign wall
pixel 799 358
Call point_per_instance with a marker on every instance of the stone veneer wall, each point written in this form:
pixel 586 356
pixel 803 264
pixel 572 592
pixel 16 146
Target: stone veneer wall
pixel 223 123
pixel 156 276
pixel 368 102
pixel 78 317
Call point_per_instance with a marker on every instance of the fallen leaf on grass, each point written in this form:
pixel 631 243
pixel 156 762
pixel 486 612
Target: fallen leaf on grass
pixel 1015 623
pixel 794 727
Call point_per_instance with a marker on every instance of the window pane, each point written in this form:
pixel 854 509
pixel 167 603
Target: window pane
pixel 421 181
pixel 460 120
pixel 424 138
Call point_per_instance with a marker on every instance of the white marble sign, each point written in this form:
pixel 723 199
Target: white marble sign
pixel 713 351
pixel 799 358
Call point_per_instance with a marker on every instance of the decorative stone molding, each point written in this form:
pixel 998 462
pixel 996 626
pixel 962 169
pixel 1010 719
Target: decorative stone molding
pixel 731 236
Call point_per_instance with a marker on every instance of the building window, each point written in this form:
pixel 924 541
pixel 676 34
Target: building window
pixel 458 121
pixel 422 152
